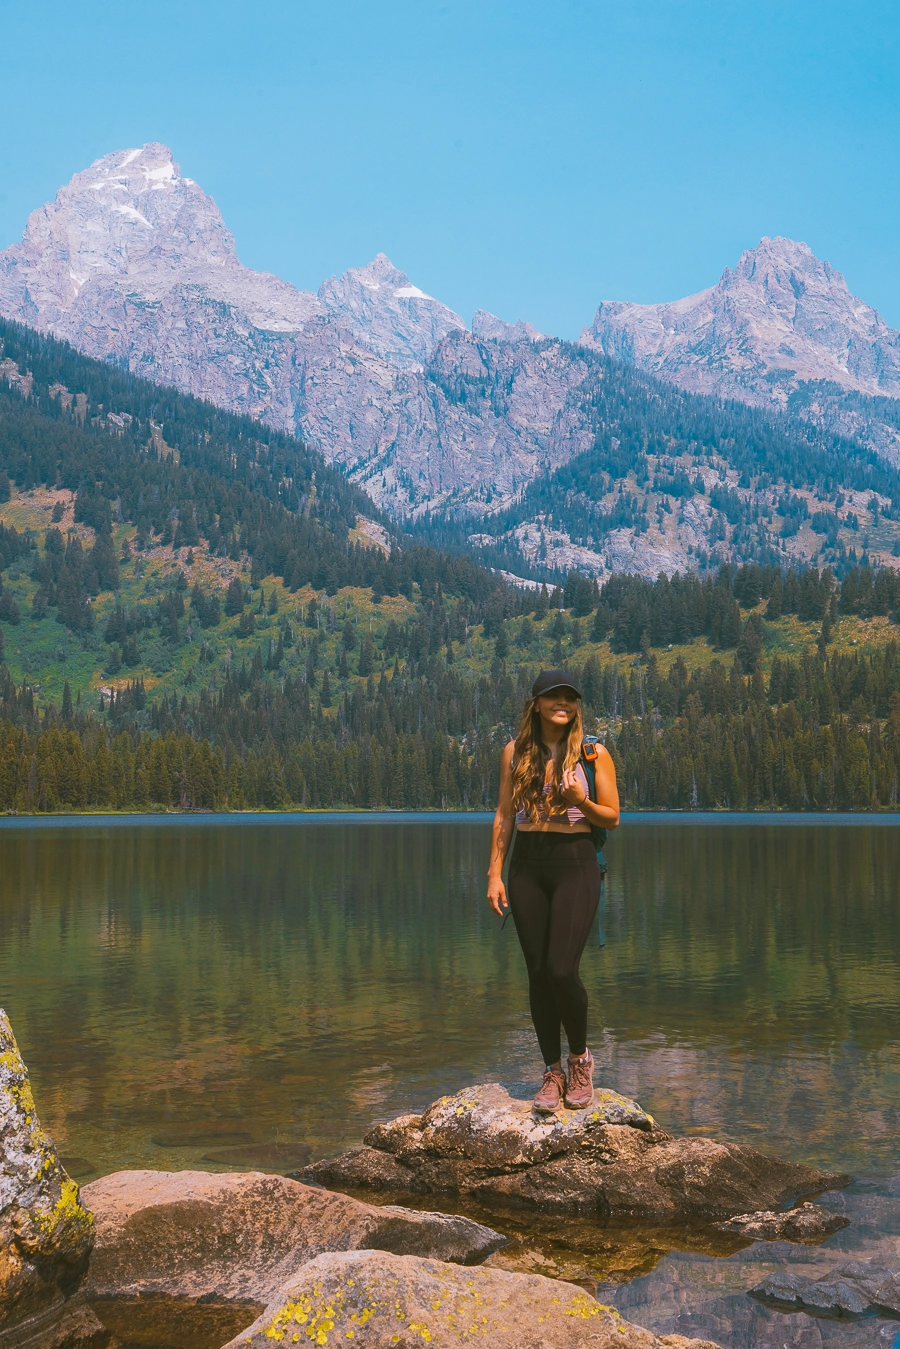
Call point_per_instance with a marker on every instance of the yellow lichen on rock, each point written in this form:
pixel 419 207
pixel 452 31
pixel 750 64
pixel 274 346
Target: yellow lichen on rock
pixel 376 1299
pixel 45 1231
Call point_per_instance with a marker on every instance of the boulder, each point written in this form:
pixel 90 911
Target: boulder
pixel 611 1159
pixel 807 1223
pixel 237 1236
pixel 856 1288
pixel 46 1234
pixel 383 1301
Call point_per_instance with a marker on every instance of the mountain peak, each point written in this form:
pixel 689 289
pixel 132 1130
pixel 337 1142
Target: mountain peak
pixel 153 162
pixel 780 317
pixel 383 309
pixel 777 260
pixel 130 214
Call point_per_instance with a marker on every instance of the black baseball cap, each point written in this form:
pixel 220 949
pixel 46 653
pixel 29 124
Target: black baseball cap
pixel 548 680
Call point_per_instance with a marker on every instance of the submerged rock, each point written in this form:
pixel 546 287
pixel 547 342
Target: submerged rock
pixel 853 1289
pixel 807 1223
pixel 46 1234
pixel 386 1301
pixel 581 1249
pixel 238 1236
pixel 612 1159
pixel 280 1157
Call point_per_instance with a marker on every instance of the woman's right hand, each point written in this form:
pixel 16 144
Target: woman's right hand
pixel 496 895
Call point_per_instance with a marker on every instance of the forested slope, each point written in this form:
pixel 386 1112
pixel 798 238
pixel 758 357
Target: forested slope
pixel 677 480
pixel 194 617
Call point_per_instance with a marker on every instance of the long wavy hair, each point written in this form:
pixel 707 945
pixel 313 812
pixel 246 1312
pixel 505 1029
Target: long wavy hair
pixel 530 756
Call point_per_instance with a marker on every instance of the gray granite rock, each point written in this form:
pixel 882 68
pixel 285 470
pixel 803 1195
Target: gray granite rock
pixel 488 325
pixel 236 1236
pixel 612 1159
pixel 780 323
pixel 46 1233
pixel 780 309
pixel 856 1288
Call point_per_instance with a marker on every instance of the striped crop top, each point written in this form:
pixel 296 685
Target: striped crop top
pixel 573 814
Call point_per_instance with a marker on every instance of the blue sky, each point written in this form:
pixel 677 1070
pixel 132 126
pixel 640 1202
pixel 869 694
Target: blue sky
pixel 528 158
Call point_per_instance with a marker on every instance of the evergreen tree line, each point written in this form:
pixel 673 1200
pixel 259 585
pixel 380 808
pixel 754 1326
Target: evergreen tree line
pixel 818 733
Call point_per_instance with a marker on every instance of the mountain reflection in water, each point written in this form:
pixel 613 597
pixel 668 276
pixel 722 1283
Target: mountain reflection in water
pixel 252 992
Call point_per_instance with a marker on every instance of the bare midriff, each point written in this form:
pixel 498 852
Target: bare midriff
pixel 557 824
pixel 570 821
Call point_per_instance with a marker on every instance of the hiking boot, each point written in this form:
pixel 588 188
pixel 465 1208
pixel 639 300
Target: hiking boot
pixel 550 1096
pixel 580 1088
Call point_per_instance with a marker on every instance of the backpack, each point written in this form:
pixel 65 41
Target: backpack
pixel 588 759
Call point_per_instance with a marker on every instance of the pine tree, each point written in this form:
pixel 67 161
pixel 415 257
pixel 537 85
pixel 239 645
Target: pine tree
pixel 367 656
pixel 234 598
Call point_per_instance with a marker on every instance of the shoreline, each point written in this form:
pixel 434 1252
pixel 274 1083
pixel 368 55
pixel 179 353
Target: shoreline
pixel 342 815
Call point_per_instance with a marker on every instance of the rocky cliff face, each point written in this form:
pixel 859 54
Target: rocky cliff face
pixel 46 1234
pixel 384 311
pixel 125 237
pixel 779 318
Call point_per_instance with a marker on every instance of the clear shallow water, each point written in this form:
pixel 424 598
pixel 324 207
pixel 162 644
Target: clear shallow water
pixel 252 992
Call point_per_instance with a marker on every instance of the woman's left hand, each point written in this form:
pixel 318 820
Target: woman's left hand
pixel 572 790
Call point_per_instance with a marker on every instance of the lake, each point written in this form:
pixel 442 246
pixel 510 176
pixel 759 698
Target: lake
pixel 223 992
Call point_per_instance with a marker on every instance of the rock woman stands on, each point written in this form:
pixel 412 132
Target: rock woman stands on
pixel 554 877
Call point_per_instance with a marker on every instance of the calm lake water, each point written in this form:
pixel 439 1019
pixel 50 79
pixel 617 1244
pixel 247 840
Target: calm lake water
pixel 253 992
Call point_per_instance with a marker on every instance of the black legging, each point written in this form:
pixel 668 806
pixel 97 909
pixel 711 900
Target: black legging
pixel 554 890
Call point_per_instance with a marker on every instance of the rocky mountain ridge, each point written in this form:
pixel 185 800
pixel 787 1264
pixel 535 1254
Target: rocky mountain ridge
pixel 780 317
pixel 781 329
pixel 132 263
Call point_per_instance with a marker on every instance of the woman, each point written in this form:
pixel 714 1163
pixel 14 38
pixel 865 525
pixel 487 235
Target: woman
pixel 554 878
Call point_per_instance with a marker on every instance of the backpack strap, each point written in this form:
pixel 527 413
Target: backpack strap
pixel 588 760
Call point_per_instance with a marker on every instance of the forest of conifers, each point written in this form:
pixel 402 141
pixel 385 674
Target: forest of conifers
pixel 818 732
pixel 365 678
